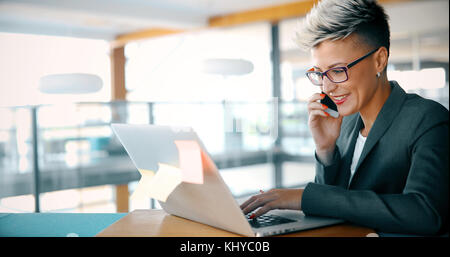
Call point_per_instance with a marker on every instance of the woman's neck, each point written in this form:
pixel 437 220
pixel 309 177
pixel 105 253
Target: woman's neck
pixel 370 112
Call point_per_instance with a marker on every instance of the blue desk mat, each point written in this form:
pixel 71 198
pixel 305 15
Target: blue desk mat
pixel 55 224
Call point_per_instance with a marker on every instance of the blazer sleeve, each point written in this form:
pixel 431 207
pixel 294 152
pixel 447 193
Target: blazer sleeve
pixel 328 174
pixel 422 208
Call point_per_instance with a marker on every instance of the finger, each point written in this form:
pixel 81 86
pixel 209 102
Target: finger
pixel 315 97
pixel 314 113
pixel 246 203
pixel 256 204
pixel 251 199
pixel 267 207
pixel 316 106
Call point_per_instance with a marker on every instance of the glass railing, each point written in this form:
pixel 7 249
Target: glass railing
pixel 76 148
pixel 16 151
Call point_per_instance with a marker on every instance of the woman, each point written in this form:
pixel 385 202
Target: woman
pixel 383 163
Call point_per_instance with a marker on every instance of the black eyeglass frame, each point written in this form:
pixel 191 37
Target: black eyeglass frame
pixel 345 68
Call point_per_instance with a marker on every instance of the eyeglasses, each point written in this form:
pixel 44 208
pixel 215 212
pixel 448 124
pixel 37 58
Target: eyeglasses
pixel 336 74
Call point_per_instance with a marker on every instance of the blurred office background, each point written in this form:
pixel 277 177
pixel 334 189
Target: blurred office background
pixel 57 151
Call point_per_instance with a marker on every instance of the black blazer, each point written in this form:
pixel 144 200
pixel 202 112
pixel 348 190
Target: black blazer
pixel 401 181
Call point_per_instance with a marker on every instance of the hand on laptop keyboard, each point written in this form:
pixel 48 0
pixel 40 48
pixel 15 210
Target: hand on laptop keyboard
pixel 273 199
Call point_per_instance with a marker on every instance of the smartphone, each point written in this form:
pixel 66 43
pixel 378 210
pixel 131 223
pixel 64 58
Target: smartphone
pixel 332 107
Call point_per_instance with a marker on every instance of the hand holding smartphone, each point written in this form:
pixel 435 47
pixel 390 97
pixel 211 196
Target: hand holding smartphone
pixel 332 107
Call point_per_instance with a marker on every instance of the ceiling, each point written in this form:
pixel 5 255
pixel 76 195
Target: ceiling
pixel 426 21
pixel 106 19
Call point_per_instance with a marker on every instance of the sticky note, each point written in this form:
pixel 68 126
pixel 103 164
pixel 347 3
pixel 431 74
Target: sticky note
pixel 190 161
pixel 160 184
pixel 157 185
pixel 166 179
pixel 142 189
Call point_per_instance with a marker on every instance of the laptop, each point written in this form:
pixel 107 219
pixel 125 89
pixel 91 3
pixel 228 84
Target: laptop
pixel 211 202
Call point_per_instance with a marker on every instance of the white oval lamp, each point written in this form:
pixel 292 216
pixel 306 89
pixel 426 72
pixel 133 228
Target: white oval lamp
pixel 227 67
pixel 70 83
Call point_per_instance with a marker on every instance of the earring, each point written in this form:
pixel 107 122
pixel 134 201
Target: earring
pixel 378 74
pixel 331 94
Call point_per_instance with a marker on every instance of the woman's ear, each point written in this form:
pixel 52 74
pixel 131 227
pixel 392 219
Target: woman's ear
pixel 381 59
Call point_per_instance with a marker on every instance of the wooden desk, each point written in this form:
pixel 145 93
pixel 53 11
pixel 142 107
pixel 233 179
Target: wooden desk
pixel 157 223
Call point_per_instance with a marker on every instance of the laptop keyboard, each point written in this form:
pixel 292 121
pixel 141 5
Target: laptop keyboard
pixel 267 220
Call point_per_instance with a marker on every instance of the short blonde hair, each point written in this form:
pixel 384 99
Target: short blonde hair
pixel 337 19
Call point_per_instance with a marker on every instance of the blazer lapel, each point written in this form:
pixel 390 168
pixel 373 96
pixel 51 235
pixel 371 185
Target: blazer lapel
pixel 384 119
